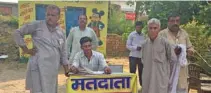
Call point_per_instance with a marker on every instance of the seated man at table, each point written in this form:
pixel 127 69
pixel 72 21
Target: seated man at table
pixel 89 59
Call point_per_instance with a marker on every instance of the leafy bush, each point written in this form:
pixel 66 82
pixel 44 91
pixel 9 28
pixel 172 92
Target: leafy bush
pixel 12 21
pixel 118 24
pixel 7 45
pixel 201 43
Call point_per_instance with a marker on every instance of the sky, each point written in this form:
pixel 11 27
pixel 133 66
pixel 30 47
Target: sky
pixel 13 1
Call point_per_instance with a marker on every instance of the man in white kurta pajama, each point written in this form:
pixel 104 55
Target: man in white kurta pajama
pixel 76 33
pixel 48 53
pixel 156 55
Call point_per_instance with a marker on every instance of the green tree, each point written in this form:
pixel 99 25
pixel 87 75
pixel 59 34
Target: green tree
pixel 199 11
pixel 7 45
pixel 117 23
pixel 201 43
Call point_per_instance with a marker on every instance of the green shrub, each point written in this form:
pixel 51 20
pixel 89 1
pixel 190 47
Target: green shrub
pixel 12 21
pixel 7 45
pixel 201 43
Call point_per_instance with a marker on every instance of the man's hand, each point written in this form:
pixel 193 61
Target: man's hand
pixel 138 48
pixel 189 52
pixel 66 70
pixel 107 70
pixel 31 52
pixel 66 73
pixel 74 69
pixel 178 50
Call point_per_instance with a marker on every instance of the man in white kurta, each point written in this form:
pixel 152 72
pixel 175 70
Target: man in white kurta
pixel 76 33
pixel 156 55
pixel 47 54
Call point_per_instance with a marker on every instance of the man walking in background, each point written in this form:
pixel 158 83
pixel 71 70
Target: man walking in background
pixel 134 43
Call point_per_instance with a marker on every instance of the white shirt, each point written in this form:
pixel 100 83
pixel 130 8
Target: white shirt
pixel 96 63
pixel 135 40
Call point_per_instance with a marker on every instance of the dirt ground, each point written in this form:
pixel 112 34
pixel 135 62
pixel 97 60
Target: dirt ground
pixel 12 76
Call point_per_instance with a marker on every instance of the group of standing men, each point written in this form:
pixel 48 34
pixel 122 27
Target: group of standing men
pixel 158 54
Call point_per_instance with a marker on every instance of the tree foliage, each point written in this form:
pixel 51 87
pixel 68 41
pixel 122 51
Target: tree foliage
pixel 7 45
pixel 199 11
pixel 12 21
pixel 117 23
pixel 200 42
